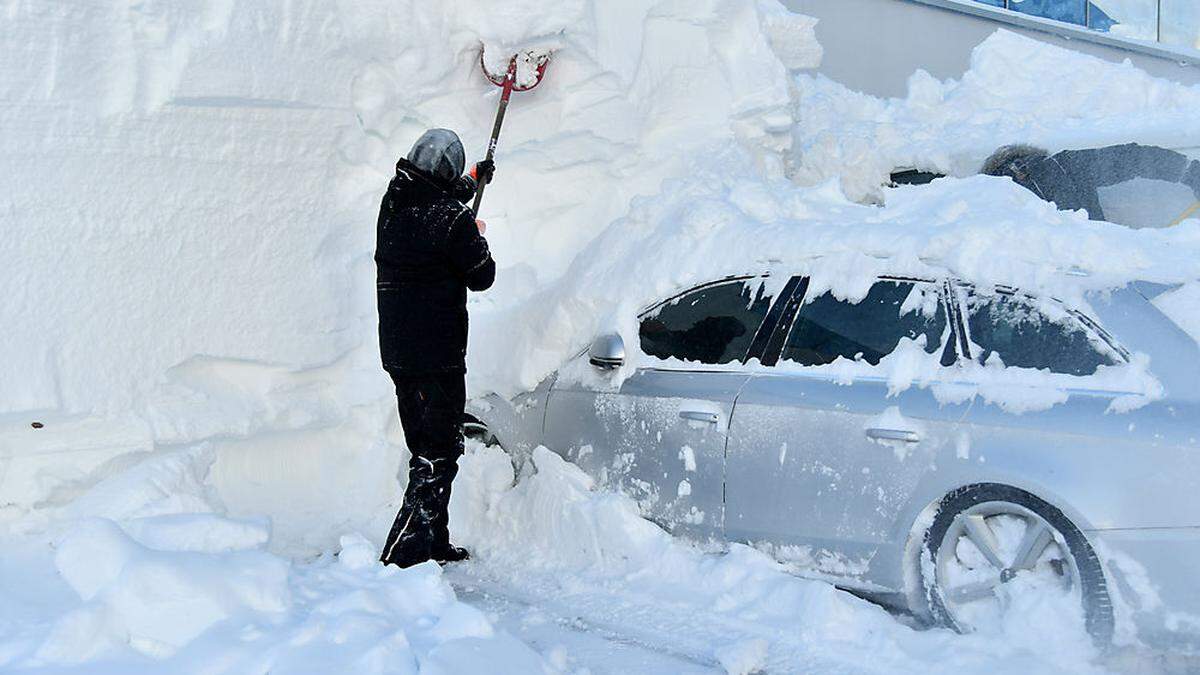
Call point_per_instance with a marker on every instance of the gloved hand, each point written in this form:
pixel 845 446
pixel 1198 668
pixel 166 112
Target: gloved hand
pixel 483 171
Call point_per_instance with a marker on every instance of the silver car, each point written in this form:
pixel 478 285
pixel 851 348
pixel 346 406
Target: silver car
pixel 732 421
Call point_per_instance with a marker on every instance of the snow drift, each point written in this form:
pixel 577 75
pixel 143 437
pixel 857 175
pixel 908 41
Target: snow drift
pixel 193 212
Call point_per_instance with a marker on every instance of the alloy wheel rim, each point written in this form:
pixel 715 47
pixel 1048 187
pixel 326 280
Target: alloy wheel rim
pixel 991 544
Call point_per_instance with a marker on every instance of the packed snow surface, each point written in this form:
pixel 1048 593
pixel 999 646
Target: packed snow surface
pixel 189 317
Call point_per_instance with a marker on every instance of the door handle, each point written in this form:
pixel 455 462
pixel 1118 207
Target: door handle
pixel 698 416
pixel 903 435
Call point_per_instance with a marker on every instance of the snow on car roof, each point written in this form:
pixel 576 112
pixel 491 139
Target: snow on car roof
pixel 981 229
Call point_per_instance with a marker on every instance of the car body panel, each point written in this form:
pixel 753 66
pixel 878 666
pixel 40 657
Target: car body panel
pixel 1152 570
pixel 652 438
pixel 518 423
pixel 802 470
pixel 1174 356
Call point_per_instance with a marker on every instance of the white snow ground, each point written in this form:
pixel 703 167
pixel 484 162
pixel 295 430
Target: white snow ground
pixel 189 197
pixel 565 579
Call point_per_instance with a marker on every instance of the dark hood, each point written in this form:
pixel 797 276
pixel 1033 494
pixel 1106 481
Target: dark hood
pixel 439 153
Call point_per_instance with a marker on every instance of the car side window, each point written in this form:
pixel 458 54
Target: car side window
pixel 714 324
pixel 1014 329
pixel 828 328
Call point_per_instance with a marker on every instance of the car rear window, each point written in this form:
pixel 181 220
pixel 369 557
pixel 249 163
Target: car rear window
pixel 1016 330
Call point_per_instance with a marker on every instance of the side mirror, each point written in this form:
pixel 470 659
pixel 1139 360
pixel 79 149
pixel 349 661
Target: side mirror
pixel 607 351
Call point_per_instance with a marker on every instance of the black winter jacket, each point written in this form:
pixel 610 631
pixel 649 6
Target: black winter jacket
pixel 428 252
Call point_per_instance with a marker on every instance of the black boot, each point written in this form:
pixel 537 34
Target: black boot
pixel 403 559
pixel 449 554
pixel 409 542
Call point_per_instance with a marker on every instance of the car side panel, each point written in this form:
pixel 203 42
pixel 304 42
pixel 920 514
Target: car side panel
pixel 634 438
pixel 804 477
pixel 516 424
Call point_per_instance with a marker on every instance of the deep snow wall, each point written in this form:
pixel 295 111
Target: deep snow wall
pixel 169 196
pixel 190 197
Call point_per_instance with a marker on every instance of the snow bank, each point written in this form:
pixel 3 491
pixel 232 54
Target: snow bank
pixel 193 192
pixel 149 609
pixel 1017 90
pixel 189 590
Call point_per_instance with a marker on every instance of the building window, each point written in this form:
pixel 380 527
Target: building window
pixel 1180 21
pixel 1170 22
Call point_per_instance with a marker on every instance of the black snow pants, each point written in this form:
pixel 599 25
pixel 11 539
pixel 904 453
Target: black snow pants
pixel 431 412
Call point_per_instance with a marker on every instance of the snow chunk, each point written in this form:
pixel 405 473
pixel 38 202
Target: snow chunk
pixel 688 455
pixel 155 601
pixel 356 552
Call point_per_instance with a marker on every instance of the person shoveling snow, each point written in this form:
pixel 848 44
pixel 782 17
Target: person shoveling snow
pixel 430 251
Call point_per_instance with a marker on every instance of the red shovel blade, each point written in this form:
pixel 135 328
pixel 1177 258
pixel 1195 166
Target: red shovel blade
pixel 519 64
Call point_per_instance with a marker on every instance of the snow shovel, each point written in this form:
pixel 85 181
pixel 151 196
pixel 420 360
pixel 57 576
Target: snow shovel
pixel 509 83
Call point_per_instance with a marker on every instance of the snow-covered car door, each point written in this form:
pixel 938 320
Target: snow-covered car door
pixel 828 444
pixel 659 434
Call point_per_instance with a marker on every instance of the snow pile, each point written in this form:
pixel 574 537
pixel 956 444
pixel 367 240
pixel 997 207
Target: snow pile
pixel 632 94
pixel 590 554
pixel 724 221
pixel 151 600
pixel 172 585
pixel 1017 90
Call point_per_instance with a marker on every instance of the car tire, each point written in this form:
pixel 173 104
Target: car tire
pixel 961 512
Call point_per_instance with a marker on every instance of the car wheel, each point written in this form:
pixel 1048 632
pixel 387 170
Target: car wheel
pixel 989 543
